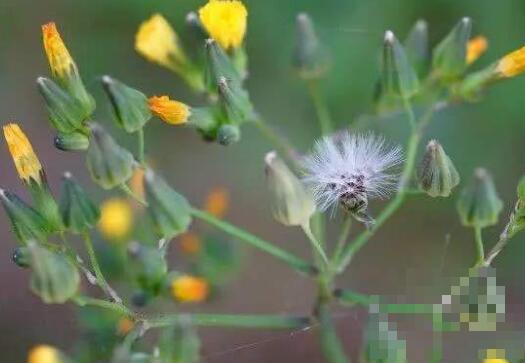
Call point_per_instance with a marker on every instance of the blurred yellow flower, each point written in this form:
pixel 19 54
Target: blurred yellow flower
pixel 136 182
pixel 43 354
pixel 124 326
pixel 512 64
pixel 58 56
pixel 217 202
pixel 225 21
pixel 189 289
pixel 24 157
pixel 116 219
pixel 190 243
pixel 475 48
pixel 157 41
pixel 495 356
pixel 170 111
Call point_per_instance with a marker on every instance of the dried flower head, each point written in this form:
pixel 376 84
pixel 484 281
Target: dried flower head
pixel 188 288
pixel 348 169
pixel 217 202
pixel 225 21
pixel 43 354
pixel 512 64
pixel 170 111
pixel 60 60
pixel 25 159
pixel 116 219
pixel 475 48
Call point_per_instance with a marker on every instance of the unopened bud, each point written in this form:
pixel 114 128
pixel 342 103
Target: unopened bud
pixel 310 58
pixel 150 266
pixel 220 66
pixel 228 134
pixel 437 175
pixel 235 102
pixel 74 141
pixel 416 47
pixel 20 257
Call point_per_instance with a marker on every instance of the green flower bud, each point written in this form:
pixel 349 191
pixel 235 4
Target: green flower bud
pixel 310 58
pixel 219 66
pixel 65 112
pixel 479 204
pixel 169 211
pixel 73 141
pixel 416 47
pixel 228 134
pixel 109 164
pixel 235 102
pixel 150 266
pixel 292 204
pixel 45 204
pixel 54 278
pixel 78 212
pixel 130 106
pixel 450 55
pixel 20 257
pixel 437 175
pixel 26 222
pixel 203 119
pixel 180 343
pixel 399 78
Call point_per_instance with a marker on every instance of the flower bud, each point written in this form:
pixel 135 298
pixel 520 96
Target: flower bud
pixel 189 289
pixel 180 343
pixel 74 141
pixel 46 354
pixel 399 77
pixel 169 211
pixel 310 59
pixel 170 111
pixel 450 55
pixel 26 162
pixel 54 278
pixel 109 164
pixel 130 106
pixel 78 212
pixel 220 66
pixel 27 224
pixel 511 64
pixel 292 204
pixel 46 206
pixel 416 47
pixel 475 48
pixel 479 204
pixel 437 175
pixel 20 257
pixel 116 219
pixel 150 266
pixel 228 134
pixel 235 101
pixel 225 21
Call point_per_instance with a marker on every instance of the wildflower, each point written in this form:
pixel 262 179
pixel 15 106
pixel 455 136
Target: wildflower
pixel 217 202
pixel 171 111
pixel 157 41
pixel 475 48
pixel 116 219
pixel 124 326
pixel 512 64
pixel 495 356
pixel 60 60
pixel 348 169
pixel 225 21
pixel 188 288
pixel 190 243
pixel 43 354
pixel 24 157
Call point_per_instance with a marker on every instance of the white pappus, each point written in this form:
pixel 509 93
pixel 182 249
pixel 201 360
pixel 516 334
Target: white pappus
pixel 347 169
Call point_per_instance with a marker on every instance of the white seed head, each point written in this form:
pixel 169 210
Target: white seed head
pixel 348 169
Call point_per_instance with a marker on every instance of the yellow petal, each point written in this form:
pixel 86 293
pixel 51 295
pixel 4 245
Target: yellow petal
pixel 189 289
pixel 225 21
pixel 495 356
pixel 475 48
pixel 58 56
pixel 512 64
pixel 170 111
pixel 217 202
pixel 116 219
pixel 24 157
pixel 43 354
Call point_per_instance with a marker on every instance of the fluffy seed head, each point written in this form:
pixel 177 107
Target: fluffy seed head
pixel 348 169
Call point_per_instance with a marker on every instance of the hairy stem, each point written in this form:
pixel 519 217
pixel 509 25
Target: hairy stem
pixel 120 308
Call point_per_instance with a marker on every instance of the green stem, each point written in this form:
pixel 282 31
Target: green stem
pixel 101 280
pixel 120 308
pixel 323 114
pixel 126 189
pixel 294 261
pixel 140 140
pixel 315 243
pixel 232 320
pixel 343 236
pixel 348 297
pixel 480 251
pixel 280 143
pixel 330 343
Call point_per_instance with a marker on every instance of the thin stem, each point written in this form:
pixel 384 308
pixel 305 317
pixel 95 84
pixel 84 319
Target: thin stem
pixel 279 142
pixel 292 260
pixel 480 252
pixel 503 238
pixel 323 114
pixel 315 243
pixel 140 141
pixel 126 189
pixel 101 280
pixel 343 236
pixel 348 297
pixel 120 308
pixel 330 343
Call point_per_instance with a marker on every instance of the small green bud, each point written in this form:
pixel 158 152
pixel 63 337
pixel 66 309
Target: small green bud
pixel 169 211
pixel 20 257
pixel 180 343
pixel 416 47
pixel 45 204
pixel 78 212
pixel 150 266
pixel 450 55
pixel 109 164
pixel 479 204
pixel 26 222
pixel 228 134
pixel 310 58
pixel 130 106
pixel 203 119
pixel 399 78
pixel 73 141
pixel 65 112
pixel 437 175
pixel 292 204
pixel 219 66
pixel 54 278
pixel 235 102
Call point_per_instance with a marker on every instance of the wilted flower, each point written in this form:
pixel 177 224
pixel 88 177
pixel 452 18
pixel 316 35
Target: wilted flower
pixel 24 157
pixel 188 288
pixel 347 169
pixel 217 202
pixel 116 219
pixel 44 354
pixel 475 48
pixel 512 64
pixel 171 111
pixel 225 21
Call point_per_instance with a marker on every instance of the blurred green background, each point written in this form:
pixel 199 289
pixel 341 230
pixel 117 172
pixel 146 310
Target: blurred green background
pixel 404 260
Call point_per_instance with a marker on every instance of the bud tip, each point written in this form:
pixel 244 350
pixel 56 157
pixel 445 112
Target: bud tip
pixel 389 36
pixel 270 157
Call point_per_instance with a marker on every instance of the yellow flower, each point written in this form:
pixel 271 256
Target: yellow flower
pixel 58 56
pixel 512 64
pixel 124 326
pixel 25 159
pixel 190 243
pixel 170 111
pixel 225 21
pixel 157 41
pixel 495 356
pixel 43 354
pixel 217 202
pixel 189 289
pixel 475 48
pixel 116 219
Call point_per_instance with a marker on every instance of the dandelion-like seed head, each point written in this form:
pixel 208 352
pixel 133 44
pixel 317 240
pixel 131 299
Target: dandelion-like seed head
pixel 347 170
